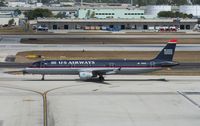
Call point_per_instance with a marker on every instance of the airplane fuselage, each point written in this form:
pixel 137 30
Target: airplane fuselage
pixel 77 66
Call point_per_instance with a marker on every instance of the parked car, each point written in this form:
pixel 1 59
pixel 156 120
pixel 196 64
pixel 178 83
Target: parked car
pixel 42 28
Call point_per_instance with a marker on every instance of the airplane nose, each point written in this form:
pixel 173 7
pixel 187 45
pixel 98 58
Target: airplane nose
pixel 176 63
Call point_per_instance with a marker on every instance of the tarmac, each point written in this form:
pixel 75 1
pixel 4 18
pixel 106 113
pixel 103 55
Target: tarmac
pixel 89 35
pixel 121 100
pixel 12 48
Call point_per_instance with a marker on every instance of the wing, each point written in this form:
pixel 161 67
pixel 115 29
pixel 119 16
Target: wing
pixel 105 71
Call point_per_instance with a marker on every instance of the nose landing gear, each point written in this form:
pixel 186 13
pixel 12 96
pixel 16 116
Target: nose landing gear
pixel 42 77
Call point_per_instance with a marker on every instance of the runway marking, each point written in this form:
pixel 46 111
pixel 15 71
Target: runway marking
pixel 44 97
pixel 189 99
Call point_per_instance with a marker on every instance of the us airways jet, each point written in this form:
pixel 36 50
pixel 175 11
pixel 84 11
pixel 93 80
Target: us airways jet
pixel 88 69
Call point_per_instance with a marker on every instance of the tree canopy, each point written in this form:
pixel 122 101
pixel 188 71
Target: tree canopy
pixel 170 14
pixel 39 12
pixel 17 12
pixel 11 22
pixel 2 3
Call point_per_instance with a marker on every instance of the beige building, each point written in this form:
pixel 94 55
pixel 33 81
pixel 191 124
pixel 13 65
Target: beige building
pixel 4 19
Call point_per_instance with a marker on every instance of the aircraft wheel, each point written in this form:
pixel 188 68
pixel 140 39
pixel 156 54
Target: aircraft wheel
pixel 101 78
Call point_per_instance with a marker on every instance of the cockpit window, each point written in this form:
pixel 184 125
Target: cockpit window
pixel 37 64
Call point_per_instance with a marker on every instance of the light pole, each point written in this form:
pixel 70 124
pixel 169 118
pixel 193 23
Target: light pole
pixel 81 2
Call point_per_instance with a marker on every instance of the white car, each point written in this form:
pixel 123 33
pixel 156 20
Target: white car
pixel 42 28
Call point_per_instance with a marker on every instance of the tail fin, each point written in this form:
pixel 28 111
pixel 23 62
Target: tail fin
pixel 167 52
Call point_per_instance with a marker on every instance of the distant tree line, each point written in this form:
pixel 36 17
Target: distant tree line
pixel 39 12
pixel 170 14
pixel 2 3
pixel 42 13
pixel 195 1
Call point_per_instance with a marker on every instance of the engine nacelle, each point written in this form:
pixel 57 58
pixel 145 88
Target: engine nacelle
pixel 85 75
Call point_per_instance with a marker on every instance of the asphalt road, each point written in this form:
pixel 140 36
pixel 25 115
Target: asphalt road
pixel 94 47
pixel 104 36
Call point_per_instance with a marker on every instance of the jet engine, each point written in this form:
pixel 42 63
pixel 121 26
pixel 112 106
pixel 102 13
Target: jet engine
pixel 85 75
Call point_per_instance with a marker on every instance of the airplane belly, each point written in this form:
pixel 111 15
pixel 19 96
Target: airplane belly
pixel 72 71
pixel 136 70
pixel 51 71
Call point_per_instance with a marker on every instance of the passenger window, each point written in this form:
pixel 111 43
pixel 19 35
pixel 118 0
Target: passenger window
pixel 152 64
pixel 112 64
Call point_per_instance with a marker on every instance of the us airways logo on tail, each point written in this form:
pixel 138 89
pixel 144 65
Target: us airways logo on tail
pixel 168 51
pixel 72 62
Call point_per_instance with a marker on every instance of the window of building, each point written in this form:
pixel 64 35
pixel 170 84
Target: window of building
pixel 145 27
pixel 188 27
pixel 136 14
pixel 55 27
pixel 122 26
pixel 97 14
pixel 141 14
pixel 182 27
pixel 113 14
pixel 125 13
pixel 65 26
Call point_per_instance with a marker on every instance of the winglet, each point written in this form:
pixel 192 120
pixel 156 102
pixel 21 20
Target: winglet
pixel 172 41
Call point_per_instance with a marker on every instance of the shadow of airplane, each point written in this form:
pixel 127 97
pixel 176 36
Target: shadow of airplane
pixel 96 80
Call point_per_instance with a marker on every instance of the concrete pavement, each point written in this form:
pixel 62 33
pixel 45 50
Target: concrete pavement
pixel 121 100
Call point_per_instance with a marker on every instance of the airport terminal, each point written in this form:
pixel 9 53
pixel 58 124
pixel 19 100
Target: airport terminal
pixel 116 24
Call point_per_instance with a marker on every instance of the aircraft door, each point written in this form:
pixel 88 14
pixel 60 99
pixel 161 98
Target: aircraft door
pixel 152 63
pixel 41 64
pixel 111 64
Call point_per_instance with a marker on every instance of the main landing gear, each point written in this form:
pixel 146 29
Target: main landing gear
pixel 101 78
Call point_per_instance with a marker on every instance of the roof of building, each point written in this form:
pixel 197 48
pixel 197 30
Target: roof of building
pixel 74 8
pixel 113 20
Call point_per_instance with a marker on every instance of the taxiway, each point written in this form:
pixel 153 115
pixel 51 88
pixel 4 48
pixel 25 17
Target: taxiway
pixel 120 100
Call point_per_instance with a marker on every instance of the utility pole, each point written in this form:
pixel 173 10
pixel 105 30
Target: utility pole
pixel 131 2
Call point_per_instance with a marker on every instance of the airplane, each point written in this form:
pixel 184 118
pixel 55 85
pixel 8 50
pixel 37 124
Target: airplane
pixel 88 69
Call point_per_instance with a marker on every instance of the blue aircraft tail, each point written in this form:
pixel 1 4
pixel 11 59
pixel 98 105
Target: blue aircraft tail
pixel 167 52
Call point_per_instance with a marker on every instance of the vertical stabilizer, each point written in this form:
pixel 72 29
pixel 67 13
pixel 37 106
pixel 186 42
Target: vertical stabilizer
pixel 167 52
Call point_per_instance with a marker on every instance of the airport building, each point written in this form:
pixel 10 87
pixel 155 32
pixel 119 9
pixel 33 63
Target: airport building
pixel 6 17
pixel 127 13
pixel 118 24
pixel 155 9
